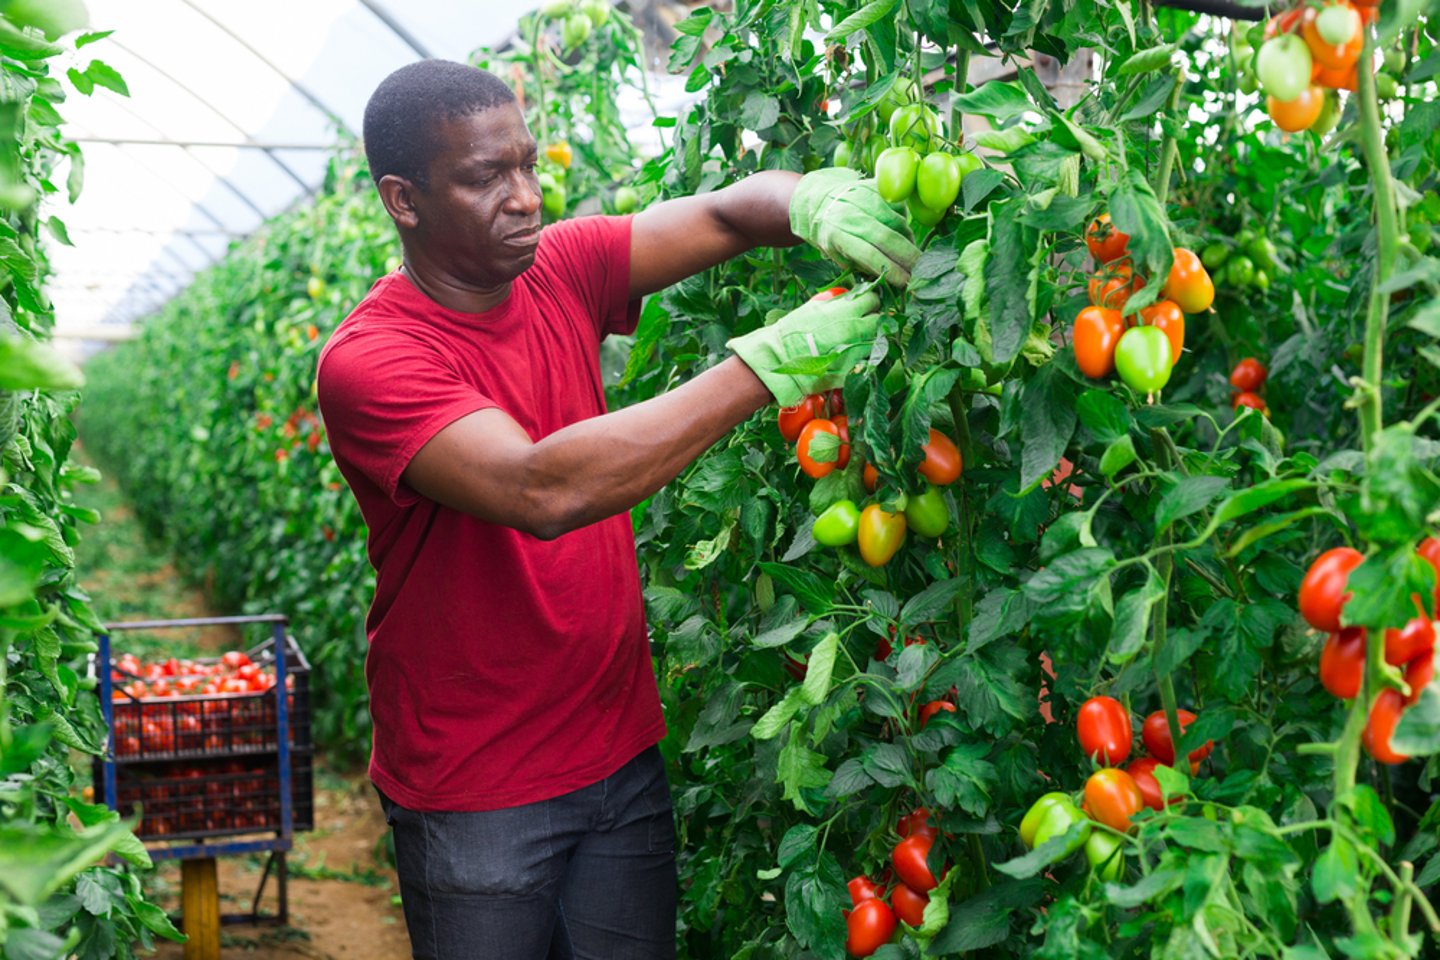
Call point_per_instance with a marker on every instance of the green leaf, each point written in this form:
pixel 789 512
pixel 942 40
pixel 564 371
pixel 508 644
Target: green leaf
pixel 25 944
pixel 1136 211
pixel 1009 280
pixel 814 594
pixel 1146 61
pixel 1189 496
pixel 850 778
pixel 1047 422
pixel 964 779
pixel 819 667
pixel 868 15
pixel 814 899
pixel 24 46
pixel 888 764
pixel 156 920
pixel 30 365
pixel 1336 872
pixel 798 841
pixel 781 635
pixel 778 716
pixel 984 919
pixel 930 603
pixel 1132 619
pixel 1418 733
pixel 1151 888
pixel 1104 415
pixel 1051 851
pixel 799 769
pixel 1118 455
pixel 101 74
pixel 37 860
pixel 1000 101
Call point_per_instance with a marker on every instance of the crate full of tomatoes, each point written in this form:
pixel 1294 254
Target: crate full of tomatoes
pixel 220 706
pixel 191 799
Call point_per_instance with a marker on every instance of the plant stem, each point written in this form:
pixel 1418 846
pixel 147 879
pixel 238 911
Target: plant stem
pixel 1170 149
pixel 1400 913
pixel 537 60
pixel 964 601
pixel 1165 566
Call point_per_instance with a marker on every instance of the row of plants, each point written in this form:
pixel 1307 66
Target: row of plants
pixel 1152 447
pixel 60 894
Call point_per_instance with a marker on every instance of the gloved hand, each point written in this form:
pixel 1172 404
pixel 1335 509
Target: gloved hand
pixel 844 326
pixel 845 219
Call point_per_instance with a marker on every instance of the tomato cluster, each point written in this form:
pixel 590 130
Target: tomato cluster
pixel 1309 53
pixel 1248 378
pixel 1323 594
pixel 873 923
pixel 1143 350
pixel 231 673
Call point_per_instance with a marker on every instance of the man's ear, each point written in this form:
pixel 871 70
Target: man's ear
pixel 397 194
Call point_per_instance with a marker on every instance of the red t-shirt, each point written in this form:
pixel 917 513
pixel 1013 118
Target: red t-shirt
pixel 503 669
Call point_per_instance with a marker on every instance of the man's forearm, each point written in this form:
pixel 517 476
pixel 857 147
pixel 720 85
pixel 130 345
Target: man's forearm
pixel 599 467
pixel 758 208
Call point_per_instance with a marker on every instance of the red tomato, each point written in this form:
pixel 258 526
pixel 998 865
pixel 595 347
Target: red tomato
pixel 835 402
pixel 1112 797
pixel 909 905
pixel 1112 285
pixel 1156 734
pixel 871 477
pixel 234 685
pixel 916 822
pixel 1380 727
pixel 1418 673
pixel 1103 725
pixel 1105 240
pixel 1322 592
pixel 812 467
pixel 1252 400
pixel 942 464
pixel 1342 662
pixel 869 927
pixel 1167 316
pixel 862 889
pixel 1417 638
pixel 1096 332
pixel 842 424
pixel 1249 375
pixel 909 857
pixel 830 294
pixel 1430 549
pixel 1142 771
pixel 171 667
pixel 932 708
pixel 234 660
pixel 793 419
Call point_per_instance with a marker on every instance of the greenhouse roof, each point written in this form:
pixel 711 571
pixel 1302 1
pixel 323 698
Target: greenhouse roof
pixel 232 114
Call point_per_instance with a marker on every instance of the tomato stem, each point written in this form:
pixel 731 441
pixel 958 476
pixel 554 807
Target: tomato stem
pixel 1400 913
pixel 1170 148
pixel 535 59
pixel 1165 565
pixel 961 553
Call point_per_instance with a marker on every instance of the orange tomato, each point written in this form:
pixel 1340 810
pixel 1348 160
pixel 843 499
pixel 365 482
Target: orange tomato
pixel 1112 285
pixel 1189 285
pixel 1096 332
pixel 942 464
pixel 1344 78
pixel 1105 240
pixel 871 476
pixel 1167 315
pixel 1292 116
pixel 1112 797
pixel 1330 55
pixel 560 152
pixel 1380 727
pixel 812 467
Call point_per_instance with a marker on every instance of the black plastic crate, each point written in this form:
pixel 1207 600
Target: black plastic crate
pixel 207 798
pixel 149 728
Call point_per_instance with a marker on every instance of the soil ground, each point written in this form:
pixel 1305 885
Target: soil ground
pixel 344 902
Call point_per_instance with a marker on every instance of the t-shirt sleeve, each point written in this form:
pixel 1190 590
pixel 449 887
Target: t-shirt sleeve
pixel 591 256
pixel 384 396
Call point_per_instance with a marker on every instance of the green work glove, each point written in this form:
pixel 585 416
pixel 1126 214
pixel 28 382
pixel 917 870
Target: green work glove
pixel 844 218
pixel 843 327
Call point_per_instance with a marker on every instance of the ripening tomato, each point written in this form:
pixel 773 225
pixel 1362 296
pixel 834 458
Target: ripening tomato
pixel 1142 771
pixel 909 858
pixel 932 708
pixel 880 534
pixel 1252 400
pixel 1249 375
pixel 1299 113
pixel 1103 725
pixel 1112 797
pixel 1105 240
pixel 793 419
pixel 1322 592
pixel 1188 284
pixel 1156 734
pixel 942 464
pixel 862 888
pixel 909 905
pixel 1342 662
pixel 1095 335
pixel 1346 78
pixel 869 927
pixel 1418 673
pixel 812 467
pixel 560 153
pixel 1167 317
pixel 830 294
pixel 1341 21
pixel 1417 638
pixel 871 476
pixel 1430 549
pixel 1380 727
pixel 917 821
pixel 1112 285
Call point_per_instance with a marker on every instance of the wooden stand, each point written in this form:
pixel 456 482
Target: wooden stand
pixel 200 899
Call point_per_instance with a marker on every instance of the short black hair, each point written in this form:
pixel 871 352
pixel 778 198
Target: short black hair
pixel 409 105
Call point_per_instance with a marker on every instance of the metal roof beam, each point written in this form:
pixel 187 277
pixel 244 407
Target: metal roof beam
pixel 397 28
pixel 235 144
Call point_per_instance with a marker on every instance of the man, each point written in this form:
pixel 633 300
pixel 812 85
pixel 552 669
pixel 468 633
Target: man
pixel 515 709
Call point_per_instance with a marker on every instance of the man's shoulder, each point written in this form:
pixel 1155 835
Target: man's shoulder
pixel 389 314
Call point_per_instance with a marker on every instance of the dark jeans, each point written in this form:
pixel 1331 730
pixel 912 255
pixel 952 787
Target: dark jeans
pixel 588 875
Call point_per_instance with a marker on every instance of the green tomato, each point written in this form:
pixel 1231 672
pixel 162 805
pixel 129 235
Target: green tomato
pixel 1262 280
pixel 1337 25
pixel 969 163
pixel 1031 821
pixel 921 214
pixel 914 125
pixel 1241 271
pixel 556 9
pixel 1060 817
pixel 895 173
pixel 873 148
pixel 1263 251
pixel 901 92
pixel 927 514
pixel 1385 86
pixel 597 10
pixel 896 379
pixel 547 181
pixel 1142 358
pixel 1394 60
pixel 576 31
pixel 1214 255
pixel 626 200
pixel 842 154
pixel 1248 82
pixel 938 180
pixel 1106 857
pixel 1329 115
pixel 838 525
pixel 1245 236
pixel 553 202
pixel 1284 66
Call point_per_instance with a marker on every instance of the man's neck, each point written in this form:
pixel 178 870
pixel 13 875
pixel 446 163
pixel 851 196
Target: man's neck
pixel 453 294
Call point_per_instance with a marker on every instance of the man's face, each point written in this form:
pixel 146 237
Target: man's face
pixel 479 219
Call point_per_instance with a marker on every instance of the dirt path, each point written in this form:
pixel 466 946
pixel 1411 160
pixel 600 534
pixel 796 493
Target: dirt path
pixel 343 892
